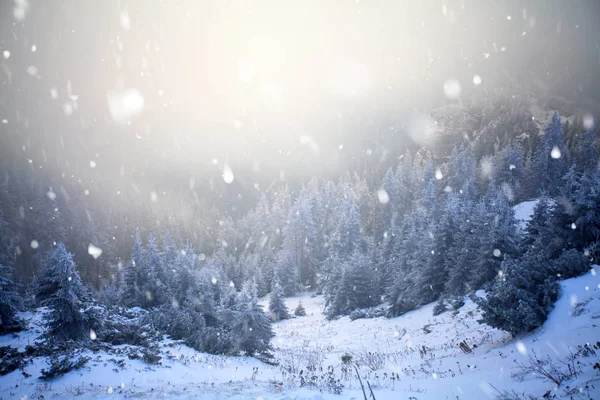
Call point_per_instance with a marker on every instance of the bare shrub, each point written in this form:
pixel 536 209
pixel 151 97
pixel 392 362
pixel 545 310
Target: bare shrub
pixel 295 360
pixel 374 360
pixel 546 368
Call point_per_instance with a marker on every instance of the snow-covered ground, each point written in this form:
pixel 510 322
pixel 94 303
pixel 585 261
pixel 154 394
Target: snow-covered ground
pixel 421 349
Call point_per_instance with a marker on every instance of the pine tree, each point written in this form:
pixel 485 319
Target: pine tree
pixel 300 237
pixel 497 236
pixel 551 159
pixel 463 257
pixel 277 307
pixel 252 325
pixel 285 272
pixel 131 294
pixel 386 207
pixel 9 303
pixel 522 296
pixel 357 287
pixel 300 311
pixel 509 170
pixel 586 155
pixel 574 221
pixel 59 287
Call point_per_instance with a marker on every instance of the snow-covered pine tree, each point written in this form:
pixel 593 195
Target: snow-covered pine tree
pixel 574 221
pixel 463 256
pixel 285 272
pixel 508 169
pixel 551 159
pixel 497 236
pixel 252 326
pixel 300 311
pixel 386 207
pixel 130 291
pixel 300 236
pixel 406 254
pixel 9 302
pixel 586 154
pixel 522 295
pixel 277 307
pixel 405 189
pixel 357 287
pixel 59 287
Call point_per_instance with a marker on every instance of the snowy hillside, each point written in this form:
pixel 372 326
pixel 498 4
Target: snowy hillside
pixel 421 352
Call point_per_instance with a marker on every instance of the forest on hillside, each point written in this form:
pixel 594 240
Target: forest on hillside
pixel 201 182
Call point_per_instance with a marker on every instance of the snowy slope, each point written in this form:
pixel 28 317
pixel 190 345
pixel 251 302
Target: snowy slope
pixel 440 370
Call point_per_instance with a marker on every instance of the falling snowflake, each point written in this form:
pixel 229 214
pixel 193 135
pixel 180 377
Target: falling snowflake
pixel 521 347
pixel 34 244
pixel 125 104
pixel 383 196
pixel 94 251
pixel 452 89
pixel 6 54
pixel 476 80
pixel 438 174
pixel 124 19
pixel 497 253
pixel 93 335
pixel 588 121
pixel 555 153
pixel 228 176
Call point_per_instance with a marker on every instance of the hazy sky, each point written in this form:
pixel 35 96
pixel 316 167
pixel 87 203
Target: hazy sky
pixel 180 88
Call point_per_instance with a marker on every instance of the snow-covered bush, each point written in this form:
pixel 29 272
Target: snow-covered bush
pixel 440 307
pixel 369 312
pixel 60 365
pixel 131 326
pixel 570 263
pixel 11 359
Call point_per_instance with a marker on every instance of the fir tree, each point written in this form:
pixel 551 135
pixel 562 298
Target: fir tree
pixel 252 326
pixel 522 296
pixel 59 287
pixel 357 287
pixel 9 302
pixel 277 307
pixel 586 155
pixel 300 311
pixel 131 294
pixel 551 158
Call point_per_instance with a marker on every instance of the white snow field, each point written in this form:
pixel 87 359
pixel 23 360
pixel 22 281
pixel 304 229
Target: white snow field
pixel 421 349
